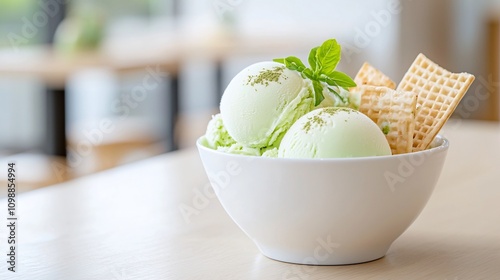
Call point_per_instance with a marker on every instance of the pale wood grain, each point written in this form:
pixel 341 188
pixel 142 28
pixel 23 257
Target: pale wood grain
pixel 125 223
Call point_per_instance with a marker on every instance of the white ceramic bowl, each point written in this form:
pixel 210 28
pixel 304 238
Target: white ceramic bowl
pixel 327 211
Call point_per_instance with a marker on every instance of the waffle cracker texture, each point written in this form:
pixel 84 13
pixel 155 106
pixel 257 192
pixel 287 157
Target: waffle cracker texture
pixel 439 92
pixel 394 112
pixel 369 75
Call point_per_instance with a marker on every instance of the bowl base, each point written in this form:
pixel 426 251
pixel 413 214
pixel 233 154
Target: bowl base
pixel 334 258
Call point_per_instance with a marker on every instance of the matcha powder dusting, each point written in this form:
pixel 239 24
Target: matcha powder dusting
pixel 266 76
pixel 318 120
pixel 314 120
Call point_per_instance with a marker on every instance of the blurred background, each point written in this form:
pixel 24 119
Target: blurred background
pixel 89 85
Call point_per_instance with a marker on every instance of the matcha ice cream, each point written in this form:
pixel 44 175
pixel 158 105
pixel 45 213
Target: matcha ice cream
pixel 217 138
pixel 334 133
pixel 262 102
pixel 267 110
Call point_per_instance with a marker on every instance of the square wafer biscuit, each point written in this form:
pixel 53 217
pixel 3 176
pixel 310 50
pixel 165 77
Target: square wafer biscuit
pixel 369 75
pixel 439 92
pixel 394 112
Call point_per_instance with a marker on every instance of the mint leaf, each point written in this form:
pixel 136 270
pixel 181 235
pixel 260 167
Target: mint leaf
pixel 328 56
pixel 308 73
pixel 294 63
pixel 338 79
pixel 321 71
pixel 318 92
pixel 313 62
pixel 279 60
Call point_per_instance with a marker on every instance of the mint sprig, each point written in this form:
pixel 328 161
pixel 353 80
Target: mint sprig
pixel 321 71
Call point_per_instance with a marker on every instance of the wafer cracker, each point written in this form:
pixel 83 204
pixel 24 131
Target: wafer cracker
pixel 369 75
pixel 394 112
pixel 439 92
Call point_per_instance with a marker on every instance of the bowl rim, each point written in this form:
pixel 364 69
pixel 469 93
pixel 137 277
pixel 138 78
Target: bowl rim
pixel 442 146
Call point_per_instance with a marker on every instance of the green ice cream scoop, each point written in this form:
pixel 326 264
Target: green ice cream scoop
pixel 262 102
pixel 216 135
pixel 334 133
pixel 217 138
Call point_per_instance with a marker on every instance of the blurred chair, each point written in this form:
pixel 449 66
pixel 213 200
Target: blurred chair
pixel 107 126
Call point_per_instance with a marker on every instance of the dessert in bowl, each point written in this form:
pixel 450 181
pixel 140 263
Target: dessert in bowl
pixel 324 211
pixel 317 168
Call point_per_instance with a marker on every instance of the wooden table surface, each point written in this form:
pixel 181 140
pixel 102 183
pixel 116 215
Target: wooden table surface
pixel 126 223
